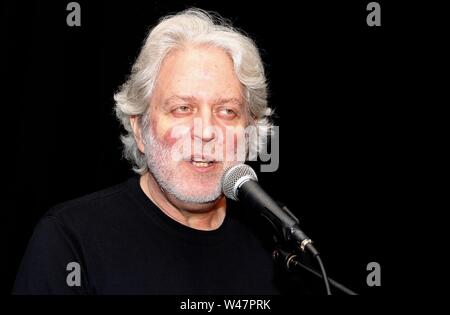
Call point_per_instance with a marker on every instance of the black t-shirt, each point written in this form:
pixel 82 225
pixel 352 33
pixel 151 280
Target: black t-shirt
pixel 117 241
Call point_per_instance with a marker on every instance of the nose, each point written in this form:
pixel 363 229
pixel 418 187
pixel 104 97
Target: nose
pixel 203 128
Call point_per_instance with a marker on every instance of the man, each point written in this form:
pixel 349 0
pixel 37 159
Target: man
pixel 169 231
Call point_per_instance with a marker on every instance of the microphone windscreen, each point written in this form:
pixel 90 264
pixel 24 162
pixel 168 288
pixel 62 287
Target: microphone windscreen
pixel 234 177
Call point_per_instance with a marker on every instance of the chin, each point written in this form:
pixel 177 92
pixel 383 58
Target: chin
pixel 195 192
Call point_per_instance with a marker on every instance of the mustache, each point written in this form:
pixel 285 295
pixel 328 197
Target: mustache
pixel 188 149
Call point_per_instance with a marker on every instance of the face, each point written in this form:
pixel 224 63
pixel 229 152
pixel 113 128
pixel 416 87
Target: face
pixel 197 114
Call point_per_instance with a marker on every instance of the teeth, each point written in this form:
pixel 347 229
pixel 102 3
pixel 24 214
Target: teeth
pixel 200 164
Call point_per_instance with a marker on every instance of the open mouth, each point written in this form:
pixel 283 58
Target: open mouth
pixel 201 164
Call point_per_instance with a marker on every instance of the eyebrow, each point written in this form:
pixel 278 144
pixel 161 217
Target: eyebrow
pixel 180 98
pixel 192 99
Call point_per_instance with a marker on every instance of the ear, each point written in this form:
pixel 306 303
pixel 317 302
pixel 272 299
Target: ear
pixel 137 131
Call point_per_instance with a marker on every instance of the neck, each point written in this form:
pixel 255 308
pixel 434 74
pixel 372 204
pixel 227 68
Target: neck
pixel 200 216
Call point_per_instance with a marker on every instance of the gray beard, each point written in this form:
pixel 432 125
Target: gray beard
pixel 158 161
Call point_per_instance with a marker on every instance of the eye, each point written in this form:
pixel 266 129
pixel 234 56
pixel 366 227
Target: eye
pixel 183 109
pixel 227 113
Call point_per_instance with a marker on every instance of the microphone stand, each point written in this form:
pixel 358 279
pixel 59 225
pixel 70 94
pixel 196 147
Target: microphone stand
pixel 290 261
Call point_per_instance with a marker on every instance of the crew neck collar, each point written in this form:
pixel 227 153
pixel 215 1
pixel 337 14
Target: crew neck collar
pixel 172 226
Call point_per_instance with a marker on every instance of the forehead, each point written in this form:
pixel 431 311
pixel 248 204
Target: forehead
pixel 201 72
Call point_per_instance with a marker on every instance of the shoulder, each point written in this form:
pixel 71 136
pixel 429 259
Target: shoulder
pixel 94 208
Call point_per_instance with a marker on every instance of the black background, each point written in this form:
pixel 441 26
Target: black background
pixel 333 81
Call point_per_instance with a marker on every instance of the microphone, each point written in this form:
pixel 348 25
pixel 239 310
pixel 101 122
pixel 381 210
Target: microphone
pixel 240 183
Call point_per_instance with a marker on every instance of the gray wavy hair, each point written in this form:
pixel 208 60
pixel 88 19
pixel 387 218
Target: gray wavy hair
pixel 191 27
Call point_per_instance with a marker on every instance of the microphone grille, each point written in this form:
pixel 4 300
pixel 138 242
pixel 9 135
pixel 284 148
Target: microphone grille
pixel 234 177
